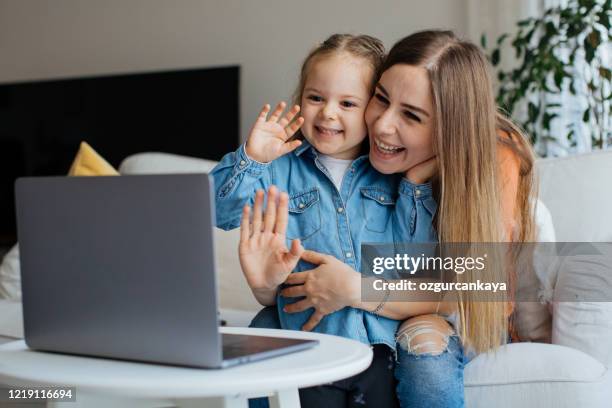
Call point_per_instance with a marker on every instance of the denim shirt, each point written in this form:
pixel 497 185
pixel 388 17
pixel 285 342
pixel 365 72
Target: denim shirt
pixel 370 207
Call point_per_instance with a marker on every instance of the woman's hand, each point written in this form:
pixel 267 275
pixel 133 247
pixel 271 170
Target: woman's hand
pixel 423 171
pixel 329 287
pixel 268 138
pixel 265 260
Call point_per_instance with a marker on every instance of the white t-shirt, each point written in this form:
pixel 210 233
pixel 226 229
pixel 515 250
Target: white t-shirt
pixel 335 167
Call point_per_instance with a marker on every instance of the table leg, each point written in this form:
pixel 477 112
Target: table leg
pixel 285 399
pixel 88 400
pixel 234 401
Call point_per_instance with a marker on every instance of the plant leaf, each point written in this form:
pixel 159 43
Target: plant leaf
pixel 594 38
pixel 558 77
pixel 532 112
pixel 502 38
pixel 605 15
pixel 495 57
pixel 586 3
pixel 591 42
pixel 547 118
pixel 550 29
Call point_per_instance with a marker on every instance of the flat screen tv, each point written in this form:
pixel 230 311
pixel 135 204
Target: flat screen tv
pixel 191 112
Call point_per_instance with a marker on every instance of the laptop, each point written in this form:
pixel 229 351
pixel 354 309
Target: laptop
pixel 124 267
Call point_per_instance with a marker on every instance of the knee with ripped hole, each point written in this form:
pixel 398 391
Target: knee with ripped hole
pixel 424 335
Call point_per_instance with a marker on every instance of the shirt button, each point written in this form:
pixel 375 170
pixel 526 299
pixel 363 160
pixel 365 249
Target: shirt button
pixel 340 209
pixel 382 198
pixel 301 205
pixel 348 254
pixel 242 163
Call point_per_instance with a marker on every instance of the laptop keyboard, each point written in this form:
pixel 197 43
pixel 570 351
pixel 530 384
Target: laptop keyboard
pixel 240 345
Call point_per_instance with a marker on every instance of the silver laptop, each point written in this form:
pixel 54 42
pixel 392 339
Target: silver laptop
pixel 124 267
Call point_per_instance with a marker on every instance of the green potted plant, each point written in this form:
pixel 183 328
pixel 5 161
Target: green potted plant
pixel 567 49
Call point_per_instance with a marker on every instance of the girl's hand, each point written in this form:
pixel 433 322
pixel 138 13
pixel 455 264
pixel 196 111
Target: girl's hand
pixel 423 171
pixel 268 138
pixel 329 287
pixel 266 262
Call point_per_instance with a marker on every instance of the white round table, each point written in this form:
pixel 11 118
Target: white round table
pixel 103 383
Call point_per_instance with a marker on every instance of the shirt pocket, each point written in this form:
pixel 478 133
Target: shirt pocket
pixel 377 206
pixel 304 214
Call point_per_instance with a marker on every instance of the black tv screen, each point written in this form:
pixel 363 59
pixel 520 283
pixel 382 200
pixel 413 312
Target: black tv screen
pixel 191 112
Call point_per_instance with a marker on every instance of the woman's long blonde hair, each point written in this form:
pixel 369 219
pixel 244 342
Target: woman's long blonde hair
pixel 466 136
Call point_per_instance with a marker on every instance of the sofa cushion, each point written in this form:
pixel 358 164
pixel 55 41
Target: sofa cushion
pixel 582 308
pixel 11 319
pixel 534 374
pixel 161 163
pixel 89 163
pixel 10 276
pixel 577 191
pixel 585 326
pixel 532 362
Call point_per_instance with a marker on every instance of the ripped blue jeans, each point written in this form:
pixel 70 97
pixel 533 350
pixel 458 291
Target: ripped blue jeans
pixel 429 370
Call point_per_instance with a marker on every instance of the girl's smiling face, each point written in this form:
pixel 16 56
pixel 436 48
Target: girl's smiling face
pixel 335 95
pixel 400 119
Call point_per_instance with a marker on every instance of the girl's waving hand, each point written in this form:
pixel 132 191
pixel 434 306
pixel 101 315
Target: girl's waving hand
pixel 268 138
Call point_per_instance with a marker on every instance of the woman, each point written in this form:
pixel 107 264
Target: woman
pixel 433 117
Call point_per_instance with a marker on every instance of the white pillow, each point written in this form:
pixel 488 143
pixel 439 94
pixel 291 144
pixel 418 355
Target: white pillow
pixel 587 324
pixel 10 278
pixel 11 320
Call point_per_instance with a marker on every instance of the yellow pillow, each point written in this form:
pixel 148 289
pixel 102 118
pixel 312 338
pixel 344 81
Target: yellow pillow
pixel 89 163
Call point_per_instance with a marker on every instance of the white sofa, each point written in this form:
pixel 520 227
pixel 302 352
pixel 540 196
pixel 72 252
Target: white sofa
pixel 573 372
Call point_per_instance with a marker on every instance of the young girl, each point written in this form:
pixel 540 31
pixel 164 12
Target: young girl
pixel 335 200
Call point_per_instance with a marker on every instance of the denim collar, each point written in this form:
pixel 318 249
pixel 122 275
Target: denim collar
pixel 303 147
pixel 312 152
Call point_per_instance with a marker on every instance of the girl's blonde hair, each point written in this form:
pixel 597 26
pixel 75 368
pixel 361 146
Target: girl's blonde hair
pixel 466 136
pixel 369 48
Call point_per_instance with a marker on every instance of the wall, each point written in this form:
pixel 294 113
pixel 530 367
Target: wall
pixel 268 38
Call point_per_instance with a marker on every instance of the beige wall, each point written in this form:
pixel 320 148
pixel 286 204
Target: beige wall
pixel 268 38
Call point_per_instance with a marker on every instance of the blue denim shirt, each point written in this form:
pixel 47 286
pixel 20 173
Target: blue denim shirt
pixel 369 207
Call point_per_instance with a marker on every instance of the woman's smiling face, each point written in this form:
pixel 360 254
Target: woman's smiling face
pixel 400 119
